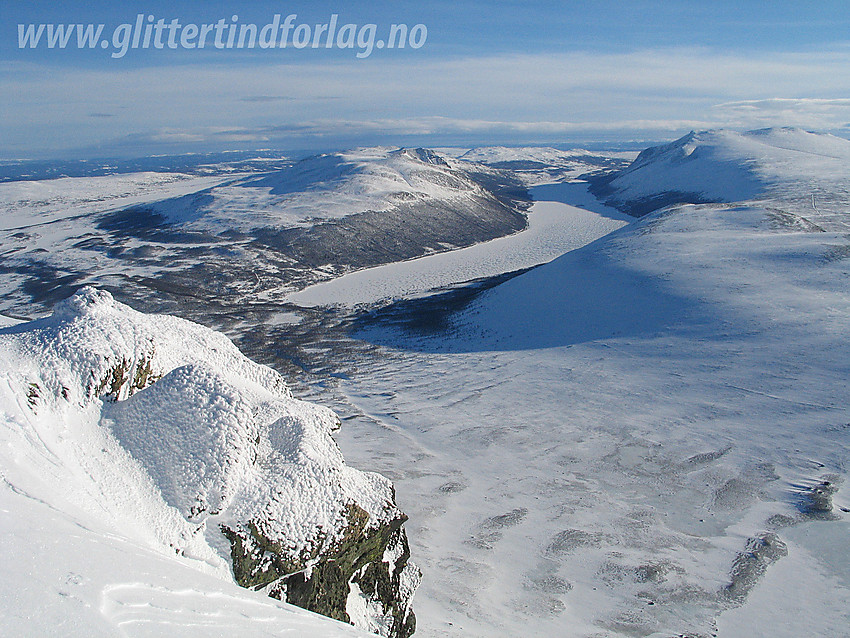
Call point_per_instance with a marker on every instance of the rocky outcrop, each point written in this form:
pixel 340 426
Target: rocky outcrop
pixel 364 574
pixel 254 474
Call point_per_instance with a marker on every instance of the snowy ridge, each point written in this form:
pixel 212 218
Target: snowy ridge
pixel 726 166
pixel 163 431
pixel 90 335
pixel 329 186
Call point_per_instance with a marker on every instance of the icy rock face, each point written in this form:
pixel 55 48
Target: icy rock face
pixel 252 470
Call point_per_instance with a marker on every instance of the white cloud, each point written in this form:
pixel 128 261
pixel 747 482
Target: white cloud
pixel 810 113
pixel 663 90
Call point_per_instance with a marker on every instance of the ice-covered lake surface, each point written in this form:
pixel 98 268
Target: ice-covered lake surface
pixel 627 441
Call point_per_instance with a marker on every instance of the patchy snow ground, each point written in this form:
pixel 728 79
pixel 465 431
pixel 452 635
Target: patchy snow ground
pixel 29 204
pixel 537 165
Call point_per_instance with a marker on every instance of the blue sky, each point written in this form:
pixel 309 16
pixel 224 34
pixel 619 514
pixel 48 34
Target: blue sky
pixel 489 72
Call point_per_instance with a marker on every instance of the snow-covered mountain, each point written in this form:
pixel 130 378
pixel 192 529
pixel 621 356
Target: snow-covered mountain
pixel 643 437
pixel 784 164
pixel 170 242
pixel 324 187
pixel 162 435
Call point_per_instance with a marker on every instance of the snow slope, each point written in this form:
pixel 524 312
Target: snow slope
pixel 159 435
pixel 602 438
pixel 324 187
pixel 68 575
pixel 8 321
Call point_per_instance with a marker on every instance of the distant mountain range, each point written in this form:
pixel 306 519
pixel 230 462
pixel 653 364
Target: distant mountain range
pixel 247 238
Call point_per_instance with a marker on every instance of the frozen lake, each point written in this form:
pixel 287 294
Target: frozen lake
pixel 554 227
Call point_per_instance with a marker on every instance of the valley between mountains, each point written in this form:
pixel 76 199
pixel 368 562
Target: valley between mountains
pixel 586 394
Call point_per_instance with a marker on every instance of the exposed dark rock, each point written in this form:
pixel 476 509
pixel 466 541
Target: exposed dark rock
pixel 751 564
pixel 320 578
pixel 816 501
pixel 125 378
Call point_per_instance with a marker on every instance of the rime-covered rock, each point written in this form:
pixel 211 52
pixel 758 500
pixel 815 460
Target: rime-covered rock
pixel 232 468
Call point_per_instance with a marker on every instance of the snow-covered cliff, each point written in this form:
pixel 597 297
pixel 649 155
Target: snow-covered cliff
pixel 163 432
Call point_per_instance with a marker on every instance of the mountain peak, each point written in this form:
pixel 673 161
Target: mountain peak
pixel 420 154
pixel 85 301
pixel 722 165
